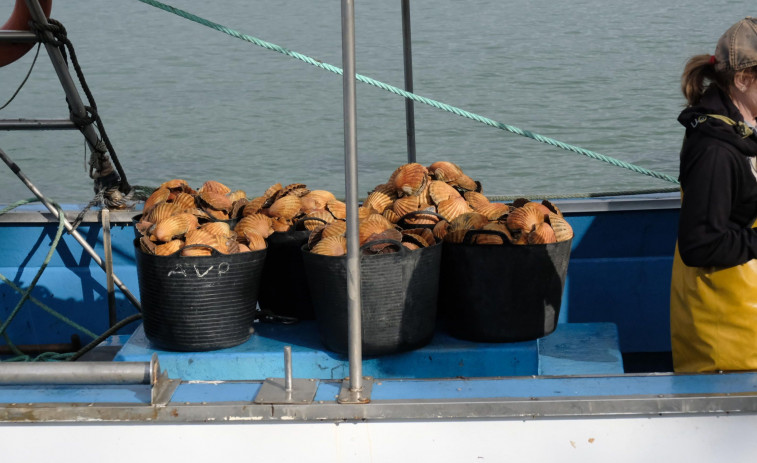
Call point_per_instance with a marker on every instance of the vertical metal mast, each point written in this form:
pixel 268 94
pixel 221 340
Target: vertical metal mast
pixel 407 53
pixel 350 183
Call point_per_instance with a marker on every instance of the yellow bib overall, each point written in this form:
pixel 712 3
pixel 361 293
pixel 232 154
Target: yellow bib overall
pixel 713 317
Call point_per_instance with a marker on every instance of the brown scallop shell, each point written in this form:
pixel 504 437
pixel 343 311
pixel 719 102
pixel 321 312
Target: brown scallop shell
pixel 407 204
pixel 331 246
pixel 500 227
pixel 243 247
pixel 258 223
pixel 294 189
pixel 476 200
pixel 390 234
pixel 320 218
pixel 281 225
pixel 542 234
pixel 217 215
pixel 255 241
pixel 236 195
pixel 336 228
pixel 216 200
pixel 316 200
pixel 541 208
pixel 524 218
pixel 455 236
pixel 488 239
pixel 440 229
pixel 273 190
pixel 563 230
pixel 468 221
pixel 286 207
pixel 440 191
pixel 466 183
pixel 337 208
pixel 158 196
pixel 176 184
pixel 410 178
pixel 173 226
pixel 415 238
pixel 379 201
pixel 365 211
pixel 185 201
pixel 161 211
pixel 255 206
pixel 445 171
pixel 493 211
pixel 217 228
pixel 453 207
pixel 552 208
pixel 166 249
pixel 370 227
pixel 391 216
pixel 419 218
pixel 215 187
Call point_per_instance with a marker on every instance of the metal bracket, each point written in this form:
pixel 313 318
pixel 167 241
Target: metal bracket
pixel 287 390
pixel 363 396
pixel 161 386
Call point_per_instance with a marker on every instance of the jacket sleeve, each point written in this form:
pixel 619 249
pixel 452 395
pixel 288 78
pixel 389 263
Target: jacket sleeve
pixel 710 179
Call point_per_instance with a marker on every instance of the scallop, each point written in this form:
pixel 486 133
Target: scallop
pixel 465 183
pixel 455 236
pixel 389 234
pixel 196 251
pixel 174 226
pixel 440 191
pixel 176 184
pixel 254 206
pixel 161 211
pixel 407 204
pixel 542 234
pixel 216 200
pixel 468 221
pixel 166 249
pixel 331 246
pixel 538 206
pixel 158 196
pixel 258 223
pixel 236 195
pixel 453 207
pixel 215 187
pixel 316 200
pixel 217 228
pixel 281 225
pixel 440 229
pixel 286 207
pixel 370 227
pixel 294 189
pixel 410 178
pixel 185 201
pixel 391 216
pixel 337 208
pixel 563 230
pixel 524 218
pixel 445 171
pixel 552 208
pixel 476 200
pixel 379 200
pixel 255 241
pixel 337 228
pixel 316 218
pixel 426 216
pixel 493 211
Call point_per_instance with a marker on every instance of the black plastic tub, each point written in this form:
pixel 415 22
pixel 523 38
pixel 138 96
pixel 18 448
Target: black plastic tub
pixel 284 290
pixel 398 298
pixel 502 293
pixel 198 303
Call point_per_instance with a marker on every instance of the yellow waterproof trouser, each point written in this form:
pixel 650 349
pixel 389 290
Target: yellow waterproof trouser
pixel 713 317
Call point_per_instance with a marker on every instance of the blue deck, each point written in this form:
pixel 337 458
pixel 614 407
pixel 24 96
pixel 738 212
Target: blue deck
pixel 584 348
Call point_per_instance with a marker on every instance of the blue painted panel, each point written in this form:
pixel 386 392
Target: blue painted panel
pixel 581 349
pixel 137 394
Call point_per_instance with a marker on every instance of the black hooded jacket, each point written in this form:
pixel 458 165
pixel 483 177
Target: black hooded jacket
pixel 719 189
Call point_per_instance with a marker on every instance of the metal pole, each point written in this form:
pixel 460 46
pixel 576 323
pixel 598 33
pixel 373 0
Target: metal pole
pixel 350 167
pixel 77 236
pixel 108 251
pixel 407 53
pixel 59 64
pixel 76 373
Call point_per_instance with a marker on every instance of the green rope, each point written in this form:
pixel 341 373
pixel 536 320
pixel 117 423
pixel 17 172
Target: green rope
pixel 412 96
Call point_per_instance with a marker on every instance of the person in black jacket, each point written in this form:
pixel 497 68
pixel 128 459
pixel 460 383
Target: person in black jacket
pixel 714 284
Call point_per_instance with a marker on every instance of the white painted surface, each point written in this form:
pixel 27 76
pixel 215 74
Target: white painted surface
pixel 660 439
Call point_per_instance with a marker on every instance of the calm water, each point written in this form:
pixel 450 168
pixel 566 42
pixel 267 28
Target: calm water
pixel 181 100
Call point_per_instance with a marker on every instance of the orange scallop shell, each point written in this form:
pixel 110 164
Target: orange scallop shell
pixel 216 200
pixel 176 184
pixel 563 230
pixel 331 246
pixel 286 207
pixel 365 211
pixel 379 200
pixel 185 201
pixel 500 227
pixel 217 228
pixel 542 234
pixel 255 241
pixel 236 195
pixel 476 199
pixel 391 216
pixel 419 218
pixel 440 229
pixel 320 218
pixel 440 191
pixel 453 207
pixel 295 189
pixel 337 208
pixel 465 182
pixel 541 208
pixel 524 218
pixel 551 206
pixel 215 187
pixel 258 223
pixel 493 211
pixel 173 226
pixel 281 225
pixel 407 204
pixel 254 206
pixel 337 228
pixel 316 200
pixel 445 171
pixel 273 190
pixel 410 178
pixel 390 234
pixel 161 211
pixel 455 236
pixel 158 196
pixel 468 221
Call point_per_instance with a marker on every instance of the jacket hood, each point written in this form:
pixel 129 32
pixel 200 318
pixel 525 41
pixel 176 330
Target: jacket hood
pixel 714 101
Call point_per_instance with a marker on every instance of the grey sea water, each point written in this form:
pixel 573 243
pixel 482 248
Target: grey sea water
pixel 179 99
